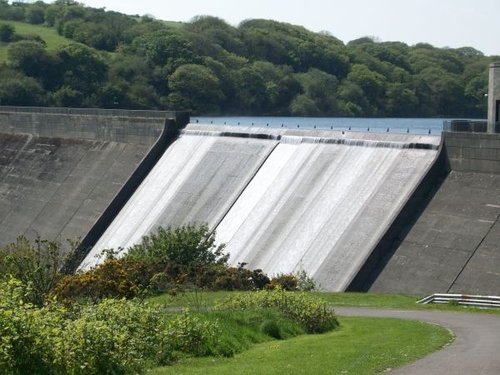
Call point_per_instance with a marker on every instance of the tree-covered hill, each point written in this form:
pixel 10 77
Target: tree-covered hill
pixel 262 67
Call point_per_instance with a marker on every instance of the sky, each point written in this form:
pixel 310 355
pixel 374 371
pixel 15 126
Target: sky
pixel 442 23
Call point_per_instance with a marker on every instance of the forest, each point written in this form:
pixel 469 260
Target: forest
pixel 260 67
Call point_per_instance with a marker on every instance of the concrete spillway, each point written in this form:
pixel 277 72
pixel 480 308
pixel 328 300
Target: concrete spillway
pixel 281 200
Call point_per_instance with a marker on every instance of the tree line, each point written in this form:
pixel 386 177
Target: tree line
pixel 260 67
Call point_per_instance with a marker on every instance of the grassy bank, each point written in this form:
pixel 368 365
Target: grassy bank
pixel 359 346
pixel 49 35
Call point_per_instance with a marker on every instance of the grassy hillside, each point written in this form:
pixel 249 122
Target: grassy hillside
pixel 49 35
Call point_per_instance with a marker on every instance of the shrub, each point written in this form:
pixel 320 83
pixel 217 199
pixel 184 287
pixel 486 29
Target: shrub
pixel 113 337
pixel 305 282
pixel 38 265
pixel 191 334
pixel 7 32
pixel 189 245
pixel 311 313
pixel 284 281
pixel 233 278
pixel 110 337
pixel 28 335
pixel 124 277
pixel 293 282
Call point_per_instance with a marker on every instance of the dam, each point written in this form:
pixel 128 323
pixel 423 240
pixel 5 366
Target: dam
pixel 358 211
pixel 281 200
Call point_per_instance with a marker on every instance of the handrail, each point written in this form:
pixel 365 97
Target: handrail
pixel 463 299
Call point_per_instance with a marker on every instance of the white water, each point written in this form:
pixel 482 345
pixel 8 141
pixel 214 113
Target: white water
pixel 316 204
pixel 309 199
pixel 196 181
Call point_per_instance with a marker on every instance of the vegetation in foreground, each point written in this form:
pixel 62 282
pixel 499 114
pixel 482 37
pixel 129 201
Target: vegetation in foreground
pixel 116 336
pixel 52 323
pixel 260 67
pixel 49 332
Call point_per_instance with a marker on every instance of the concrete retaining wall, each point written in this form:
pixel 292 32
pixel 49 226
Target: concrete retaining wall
pixel 64 172
pixel 452 245
pixel 396 233
pixel 473 152
pixel 136 127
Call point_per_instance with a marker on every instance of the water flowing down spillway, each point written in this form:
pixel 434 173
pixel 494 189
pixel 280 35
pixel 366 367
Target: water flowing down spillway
pixel 281 200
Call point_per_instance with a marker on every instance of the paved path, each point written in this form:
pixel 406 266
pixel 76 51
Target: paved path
pixel 475 350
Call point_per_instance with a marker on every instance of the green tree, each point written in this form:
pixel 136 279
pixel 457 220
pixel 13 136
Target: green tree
pixel 7 32
pixel 322 89
pixel 83 69
pixel 35 13
pixel 401 100
pixel 372 84
pixel 33 60
pixel 17 89
pixel 164 46
pixel 195 87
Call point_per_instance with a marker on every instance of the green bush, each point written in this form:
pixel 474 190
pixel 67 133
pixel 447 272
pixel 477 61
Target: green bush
pixel 113 337
pixel 7 32
pixel 311 313
pixel 28 335
pixel 110 337
pixel 38 265
pixel 293 282
pixel 189 245
pixel 191 334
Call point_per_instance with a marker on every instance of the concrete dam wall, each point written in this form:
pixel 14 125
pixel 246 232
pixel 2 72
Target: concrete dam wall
pixel 356 211
pixel 282 200
pixel 452 243
pixel 61 169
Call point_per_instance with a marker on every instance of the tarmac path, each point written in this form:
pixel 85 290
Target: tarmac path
pixel 475 350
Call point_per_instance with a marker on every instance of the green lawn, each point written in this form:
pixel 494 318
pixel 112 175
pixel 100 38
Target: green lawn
pixel 49 35
pixel 359 346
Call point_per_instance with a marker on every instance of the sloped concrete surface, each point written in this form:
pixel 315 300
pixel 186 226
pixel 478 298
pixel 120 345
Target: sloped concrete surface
pixel 282 200
pixel 57 188
pixel 474 350
pixel 197 181
pixel 454 244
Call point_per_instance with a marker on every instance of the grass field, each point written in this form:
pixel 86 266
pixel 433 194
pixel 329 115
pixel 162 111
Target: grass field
pixel 49 35
pixel 360 346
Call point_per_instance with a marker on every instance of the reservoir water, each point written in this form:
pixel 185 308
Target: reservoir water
pixel 433 126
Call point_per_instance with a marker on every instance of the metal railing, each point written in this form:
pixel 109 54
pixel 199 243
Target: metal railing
pixel 469 126
pixel 465 126
pixel 463 299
